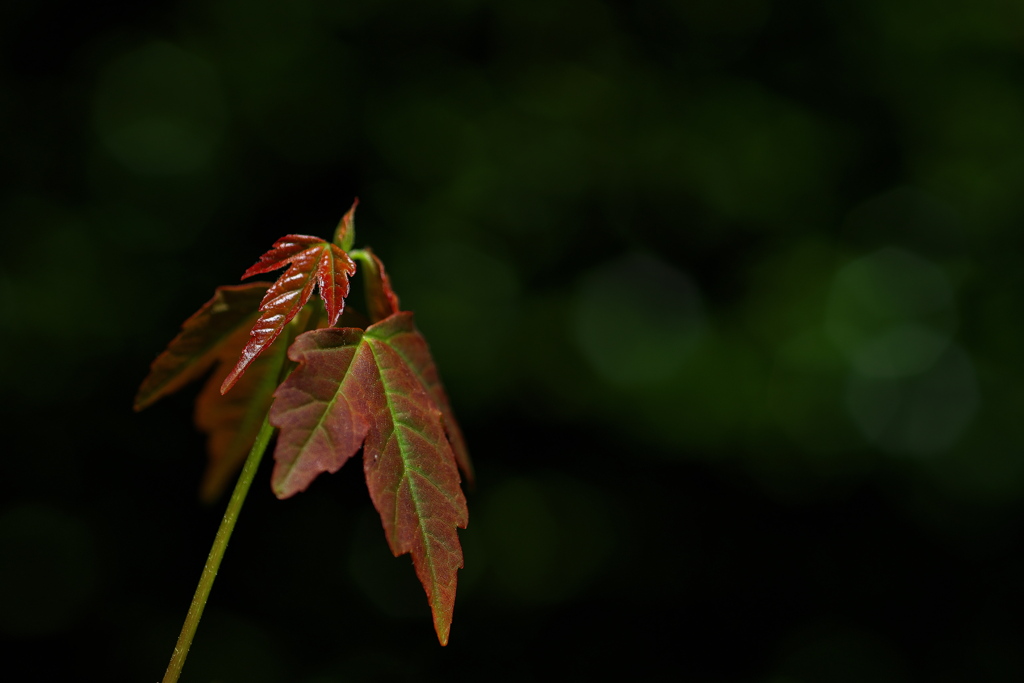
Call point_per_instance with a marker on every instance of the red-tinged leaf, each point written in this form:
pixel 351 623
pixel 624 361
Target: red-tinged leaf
pixel 381 301
pixel 355 387
pixel 414 352
pixel 312 262
pixel 231 421
pixel 202 340
pixel 345 234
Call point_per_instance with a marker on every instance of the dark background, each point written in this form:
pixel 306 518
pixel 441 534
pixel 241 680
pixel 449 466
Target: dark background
pixel 727 295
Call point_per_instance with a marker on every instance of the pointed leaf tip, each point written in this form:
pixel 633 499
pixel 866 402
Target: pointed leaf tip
pixel 355 388
pixel 202 340
pixel 345 234
pixel 311 262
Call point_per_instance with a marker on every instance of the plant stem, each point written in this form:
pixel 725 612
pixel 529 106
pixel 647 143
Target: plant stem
pixel 220 544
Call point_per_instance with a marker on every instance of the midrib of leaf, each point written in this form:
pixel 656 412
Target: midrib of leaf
pixel 326 249
pixel 330 407
pixel 406 468
pixel 426 390
pixel 412 366
pixel 423 383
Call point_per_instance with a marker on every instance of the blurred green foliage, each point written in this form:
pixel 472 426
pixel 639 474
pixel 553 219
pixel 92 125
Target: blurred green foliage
pixel 727 295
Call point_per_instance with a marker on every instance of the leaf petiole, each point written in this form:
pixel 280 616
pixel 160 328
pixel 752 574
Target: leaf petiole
pixel 220 544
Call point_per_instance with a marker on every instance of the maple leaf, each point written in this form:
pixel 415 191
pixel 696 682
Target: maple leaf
pixel 215 335
pixel 370 384
pixel 202 340
pixel 367 388
pixel 231 421
pixel 381 302
pixel 311 262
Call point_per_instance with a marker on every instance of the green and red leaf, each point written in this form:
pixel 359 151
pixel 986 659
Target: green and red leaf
pixel 375 388
pixel 311 262
pixel 345 233
pixel 413 350
pixel 357 388
pixel 382 302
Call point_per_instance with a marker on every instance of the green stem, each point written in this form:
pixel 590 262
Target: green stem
pixel 220 544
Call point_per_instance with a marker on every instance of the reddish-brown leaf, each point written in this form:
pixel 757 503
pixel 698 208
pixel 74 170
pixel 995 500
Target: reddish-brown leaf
pixel 355 387
pixel 381 301
pixel 412 348
pixel 214 336
pixel 313 262
pixel 202 340
pixel 231 421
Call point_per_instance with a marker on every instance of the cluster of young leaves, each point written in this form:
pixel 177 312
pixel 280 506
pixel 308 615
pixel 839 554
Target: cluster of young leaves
pixel 333 381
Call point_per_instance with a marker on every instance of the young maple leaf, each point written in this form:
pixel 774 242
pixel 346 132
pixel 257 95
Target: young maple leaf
pixel 202 340
pixel 231 421
pixel 215 335
pixel 357 388
pixel 379 389
pixel 313 262
pixel 372 385
pixel 382 302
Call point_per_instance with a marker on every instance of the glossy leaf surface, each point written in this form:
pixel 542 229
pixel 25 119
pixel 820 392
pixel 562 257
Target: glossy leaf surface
pixel 371 388
pixel 311 262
